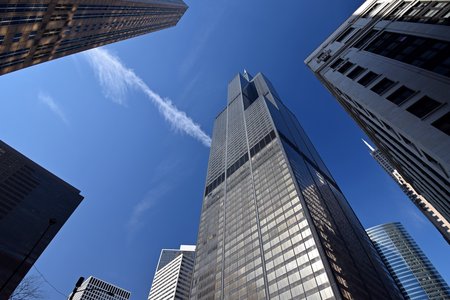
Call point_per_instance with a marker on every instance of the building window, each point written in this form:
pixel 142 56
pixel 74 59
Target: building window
pixel 32 35
pixel 336 63
pixel 365 39
pixel 345 34
pixel 423 107
pixel 368 78
pixel 425 53
pixel 16 37
pixel 372 11
pixel 400 95
pixel 383 86
pixel 345 67
pixel 2 38
pixel 443 123
pixel 356 72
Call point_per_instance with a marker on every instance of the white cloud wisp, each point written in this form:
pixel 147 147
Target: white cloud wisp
pixel 53 106
pixel 115 79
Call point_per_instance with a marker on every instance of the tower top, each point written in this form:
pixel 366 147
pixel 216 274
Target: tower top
pixel 247 75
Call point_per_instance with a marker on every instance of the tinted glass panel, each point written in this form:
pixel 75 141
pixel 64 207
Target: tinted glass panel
pixel 382 86
pixel 346 67
pixel 426 53
pixel 355 72
pixel 400 95
pixel 336 63
pixel 443 124
pixel 368 78
pixel 423 107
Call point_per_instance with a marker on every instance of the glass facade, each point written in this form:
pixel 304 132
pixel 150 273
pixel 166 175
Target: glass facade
pixel 274 224
pixel 410 268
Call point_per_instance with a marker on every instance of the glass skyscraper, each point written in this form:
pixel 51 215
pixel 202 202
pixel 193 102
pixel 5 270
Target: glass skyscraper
pixel 412 271
pixel 274 223
pixel 32 32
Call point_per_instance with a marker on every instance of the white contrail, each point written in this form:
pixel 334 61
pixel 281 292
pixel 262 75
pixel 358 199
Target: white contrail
pixel 53 106
pixel 116 78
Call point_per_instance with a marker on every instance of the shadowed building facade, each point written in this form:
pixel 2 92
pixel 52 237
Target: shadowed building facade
pixel 388 66
pixel 414 274
pixel 32 32
pixel 34 205
pixel 274 223
pixel 173 274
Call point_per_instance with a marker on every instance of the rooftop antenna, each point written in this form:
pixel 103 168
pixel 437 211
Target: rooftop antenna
pixel 368 145
pixel 247 75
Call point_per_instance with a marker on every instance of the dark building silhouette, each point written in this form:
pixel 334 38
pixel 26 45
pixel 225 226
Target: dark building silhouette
pixel 34 205
pixel 274 223
pixel 32 32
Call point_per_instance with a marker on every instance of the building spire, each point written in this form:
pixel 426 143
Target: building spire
pixel 368 145
pixel 247 75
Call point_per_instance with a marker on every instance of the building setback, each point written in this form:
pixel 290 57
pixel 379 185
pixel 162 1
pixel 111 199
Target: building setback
pixel 32 32
pixel 274 223
pixel 422 204
pixel 97 289
pixel 173 274
pixel 412 271
pixel 388 66
pixel 34 205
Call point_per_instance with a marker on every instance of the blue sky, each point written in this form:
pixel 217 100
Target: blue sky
pixel 141 174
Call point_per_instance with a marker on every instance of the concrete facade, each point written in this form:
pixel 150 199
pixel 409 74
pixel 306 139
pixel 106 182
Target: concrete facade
pixel 388 66
pixel 173 274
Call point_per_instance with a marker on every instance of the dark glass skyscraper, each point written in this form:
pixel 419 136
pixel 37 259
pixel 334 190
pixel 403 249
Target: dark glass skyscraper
pixel 32 32
pixel 410 268
pixel 34 205
pixel 274 223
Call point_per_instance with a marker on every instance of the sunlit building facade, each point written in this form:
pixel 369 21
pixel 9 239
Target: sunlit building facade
pixel 274 223
pixel 173 274
pixel 422 204
pixel 34 205
pixel 97 289
pixel 32 32
pixel 414 274
pixel 388 66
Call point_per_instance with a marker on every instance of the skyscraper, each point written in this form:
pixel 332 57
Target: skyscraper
pixel 97 289
pixel 274 223
pixel 173 275
pixel 388 66
pixel 32 32
pixel 412 271
pixel 422 204
pixel 34 205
